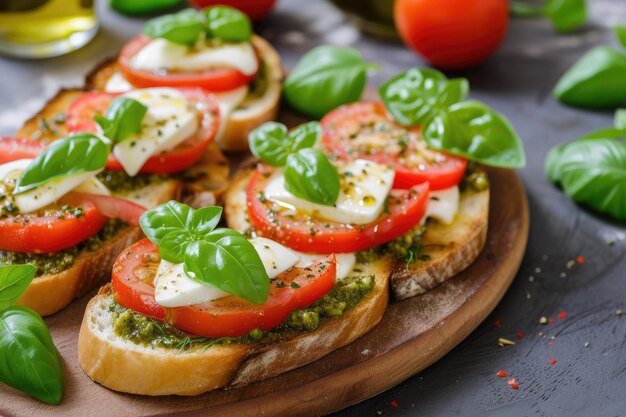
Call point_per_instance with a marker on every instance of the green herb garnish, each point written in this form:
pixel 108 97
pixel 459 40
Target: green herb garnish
pixel 122 118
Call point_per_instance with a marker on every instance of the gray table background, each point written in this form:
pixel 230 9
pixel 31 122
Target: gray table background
pixel 517 81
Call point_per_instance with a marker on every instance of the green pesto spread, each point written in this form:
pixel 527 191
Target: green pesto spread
pixel 474 179
pixel 54 263
pixel 142 330
pixel 120 182
pixel 406 247
pixel 257 87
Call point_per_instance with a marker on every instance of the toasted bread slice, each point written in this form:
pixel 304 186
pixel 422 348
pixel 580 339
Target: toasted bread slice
pixel 253 112
pixel 122 365
pixel 450 248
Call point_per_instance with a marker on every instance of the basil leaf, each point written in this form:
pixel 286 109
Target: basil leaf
pixel 28 359
pixel 271 143
pixel 609 133
pixel 596 80
pixel 123 118
pixel 69 156
pixel 620 119
pixel 620 34
pixel 566 15
pixel 310 175
pixel 229 263
pixel 593 172
pixel 476 132
pixel 139 7
pixel 14 279
pixel 183 27
pixel 227 23
pixel 268 142
pixel 326 77
pixel 204 220
pixel 166 218
pixel 415 96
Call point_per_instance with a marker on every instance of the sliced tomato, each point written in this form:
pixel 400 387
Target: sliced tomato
pixel 84 107
pixel 308 234
pixel 229 316
pixel 364 130
pixel 217 79
pixel 51 231
pixel 114 207
pixel 12 149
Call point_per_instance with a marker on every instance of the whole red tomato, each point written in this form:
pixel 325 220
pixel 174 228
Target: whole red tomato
pixel 452 33
pixel 255 9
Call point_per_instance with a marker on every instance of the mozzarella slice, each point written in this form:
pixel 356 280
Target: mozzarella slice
pixel 173 288
pixel 443 204
pixel 161 54
pixel 228 102
pixel 364 186
pixel 50 192
pixel 117 84
pixel 170 119
pixel 345 262
pixel 13 169
pixel 93 186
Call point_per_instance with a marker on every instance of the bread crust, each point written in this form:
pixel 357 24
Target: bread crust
pixel 124 366
pixel 234 136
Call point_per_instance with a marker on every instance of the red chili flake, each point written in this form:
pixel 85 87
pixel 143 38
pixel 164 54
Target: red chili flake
pixel 520 335
pixel 562 314
pixel 580 259
pixel 515 385
pixel 394 403
pixel 511 381
pixel 502 373
pixel 552 361
pixel 549 343
pixel 551 320
pixel 497 323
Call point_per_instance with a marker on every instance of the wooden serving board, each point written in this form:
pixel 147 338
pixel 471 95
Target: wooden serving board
pixel 412 335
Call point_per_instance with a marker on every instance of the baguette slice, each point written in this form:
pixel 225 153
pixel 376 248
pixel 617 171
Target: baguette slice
pixel 234 136
pixel 450 247
pixel 124 366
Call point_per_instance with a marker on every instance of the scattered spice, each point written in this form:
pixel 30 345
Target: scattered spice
pixel 563 274
pixel 543 320
pixel 502 373
pixel 562 315
pixel 550 320
pixel 394 404
pixel 497 323
pixel 552 361
pixel 586 344
pixel 550 344
pixel 531 278
pixel 513 383
pixel 379 413
pixel 619 312
pixel 520 335
pixel 502 341
pixel 580 259
pixel 538 270
pixel 570 264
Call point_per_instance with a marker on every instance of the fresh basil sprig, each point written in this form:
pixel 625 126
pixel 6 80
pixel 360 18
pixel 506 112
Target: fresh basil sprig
pixel 326 77
pixel 122 118
pixel 28 358
pixel 219 22
pixel 592 170
pixel 69 156
pixel 467 128
pixel 596 80
pixel 219 257
pixel 415 96
pixel 566 15
pixel 308 172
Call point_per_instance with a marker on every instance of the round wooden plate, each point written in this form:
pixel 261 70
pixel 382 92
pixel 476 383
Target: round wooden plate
pixel 412 335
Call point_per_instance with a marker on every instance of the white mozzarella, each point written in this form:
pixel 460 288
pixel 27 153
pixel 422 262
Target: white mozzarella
pixel 117 84
pixel 443 204
pixel 173 288
pixel 276 258
pixel 93 186
pixel 170 119
pixel 50 192
pixel 345 262
pixel 13 169
pixel 228 102
pixel 364 186
pixel 161 54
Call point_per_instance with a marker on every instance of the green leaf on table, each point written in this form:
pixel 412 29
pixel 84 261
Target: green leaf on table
pixel 620 34
pixel 14 279
pixel 595 80
pixel 415 96
pixel 566 15
pixel 474 131
pixel 325 78
pixel 73 155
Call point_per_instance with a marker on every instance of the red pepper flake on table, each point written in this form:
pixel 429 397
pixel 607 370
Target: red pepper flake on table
pixel 513 383
pixel 580 260
pixel 552 361
pixel 562 315
pixel 520 335
pixel 502 373
pixel 394 404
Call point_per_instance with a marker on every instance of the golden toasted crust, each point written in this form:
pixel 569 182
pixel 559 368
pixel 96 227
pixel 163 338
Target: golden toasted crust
pixel 124 366
pixel 449 248
pixel 240 122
